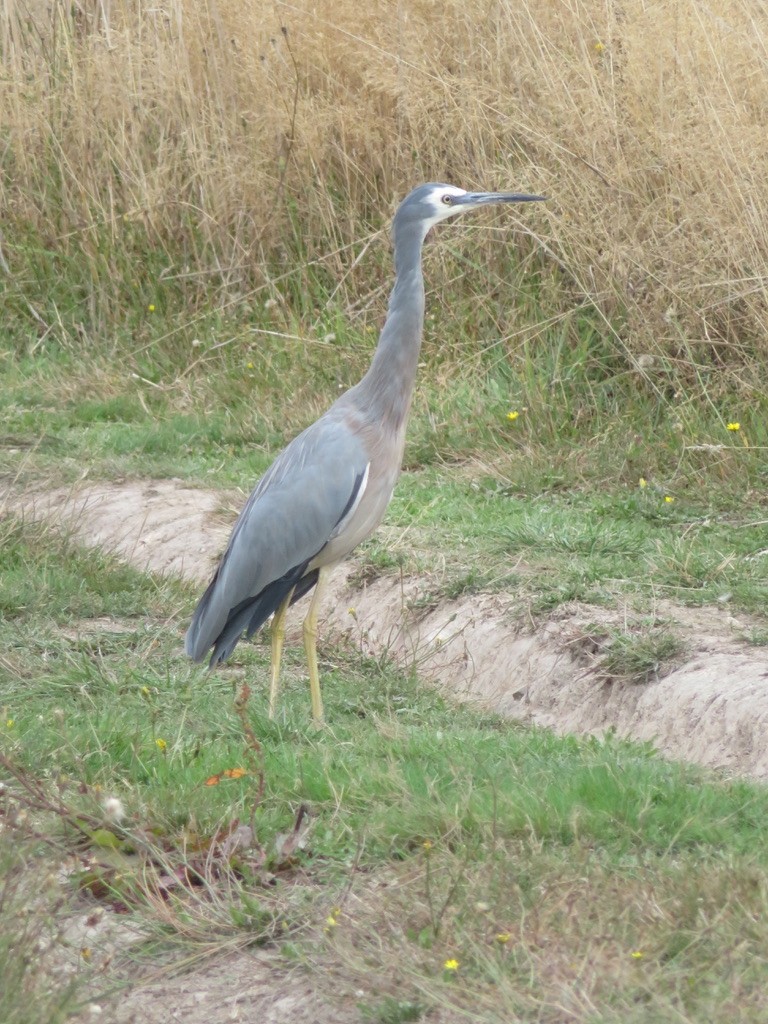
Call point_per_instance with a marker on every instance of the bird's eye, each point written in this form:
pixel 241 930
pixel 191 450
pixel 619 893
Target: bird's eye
pixel 447 200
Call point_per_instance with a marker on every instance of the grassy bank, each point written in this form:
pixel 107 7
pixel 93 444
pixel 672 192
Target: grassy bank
pixel 583 878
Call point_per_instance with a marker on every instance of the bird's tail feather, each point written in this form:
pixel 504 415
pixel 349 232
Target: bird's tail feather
pixel 253 612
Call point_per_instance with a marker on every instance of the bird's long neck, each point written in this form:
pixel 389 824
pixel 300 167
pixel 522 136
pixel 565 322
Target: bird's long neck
pixel 388 384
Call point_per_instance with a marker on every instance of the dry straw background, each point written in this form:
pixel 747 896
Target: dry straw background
pixel 224 132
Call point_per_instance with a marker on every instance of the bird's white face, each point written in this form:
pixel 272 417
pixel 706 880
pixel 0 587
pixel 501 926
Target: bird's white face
pixel 432 202
pixel 442 199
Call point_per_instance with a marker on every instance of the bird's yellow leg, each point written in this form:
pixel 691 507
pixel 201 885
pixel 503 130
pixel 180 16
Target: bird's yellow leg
pixel 310 644
pixel 278 635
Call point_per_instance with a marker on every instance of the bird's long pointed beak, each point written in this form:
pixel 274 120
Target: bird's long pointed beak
pixel 487 198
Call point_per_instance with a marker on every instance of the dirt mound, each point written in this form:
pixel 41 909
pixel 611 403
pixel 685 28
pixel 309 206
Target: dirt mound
pixel 159 526
pixel 712 709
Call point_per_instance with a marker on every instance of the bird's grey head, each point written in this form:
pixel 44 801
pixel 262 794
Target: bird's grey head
pixel 428 204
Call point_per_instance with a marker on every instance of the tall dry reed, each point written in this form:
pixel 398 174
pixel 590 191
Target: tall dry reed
pixel 224 134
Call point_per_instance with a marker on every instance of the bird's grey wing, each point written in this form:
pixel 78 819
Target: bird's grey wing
pixel 296 508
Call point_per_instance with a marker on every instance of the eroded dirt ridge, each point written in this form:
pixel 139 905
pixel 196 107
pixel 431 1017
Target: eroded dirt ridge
pixel 712 709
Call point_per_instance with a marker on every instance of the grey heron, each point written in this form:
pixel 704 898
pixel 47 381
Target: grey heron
pixel 329 488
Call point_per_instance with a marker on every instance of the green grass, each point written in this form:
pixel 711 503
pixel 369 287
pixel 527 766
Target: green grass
pixel 198 384
pixel 597 547
pixel 643 651
pixel 438 771
pixel 434 828
pixel 527 507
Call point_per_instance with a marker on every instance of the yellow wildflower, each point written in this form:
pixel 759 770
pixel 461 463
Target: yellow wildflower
pixel 668 498
pixel 332 920
pixel 151 307
pixel 599 47
pixel 733 426
pixel 512 415
pixel 503 938
pixel 10 722
pixel 637 954
pixel 451 965
pixel 642 482
pixel 427 844
pixel 161 744
pixel 249 366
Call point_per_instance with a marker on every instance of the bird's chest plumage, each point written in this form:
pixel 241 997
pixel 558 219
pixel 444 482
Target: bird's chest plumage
pixel 385 450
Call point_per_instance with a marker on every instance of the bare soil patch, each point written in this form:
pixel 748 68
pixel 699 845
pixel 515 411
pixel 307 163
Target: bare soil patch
pixel 243 986
pixel 711 709
pixel 236 985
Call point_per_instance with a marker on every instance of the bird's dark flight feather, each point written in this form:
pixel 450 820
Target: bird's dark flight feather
pixel 253 612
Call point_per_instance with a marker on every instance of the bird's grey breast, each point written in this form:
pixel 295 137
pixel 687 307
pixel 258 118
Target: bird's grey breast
pixel 383 449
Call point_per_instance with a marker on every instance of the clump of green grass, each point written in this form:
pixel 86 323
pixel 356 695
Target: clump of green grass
pixel 595 546
pixel 758 636
pixel 393 1011
pixel 578 544
pixel 637 652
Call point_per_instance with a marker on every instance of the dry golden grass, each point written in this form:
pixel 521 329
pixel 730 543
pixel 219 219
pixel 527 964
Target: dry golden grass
pixel 227 134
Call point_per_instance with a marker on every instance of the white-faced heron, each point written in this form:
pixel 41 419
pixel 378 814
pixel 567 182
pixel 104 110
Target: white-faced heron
pixel 329 489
